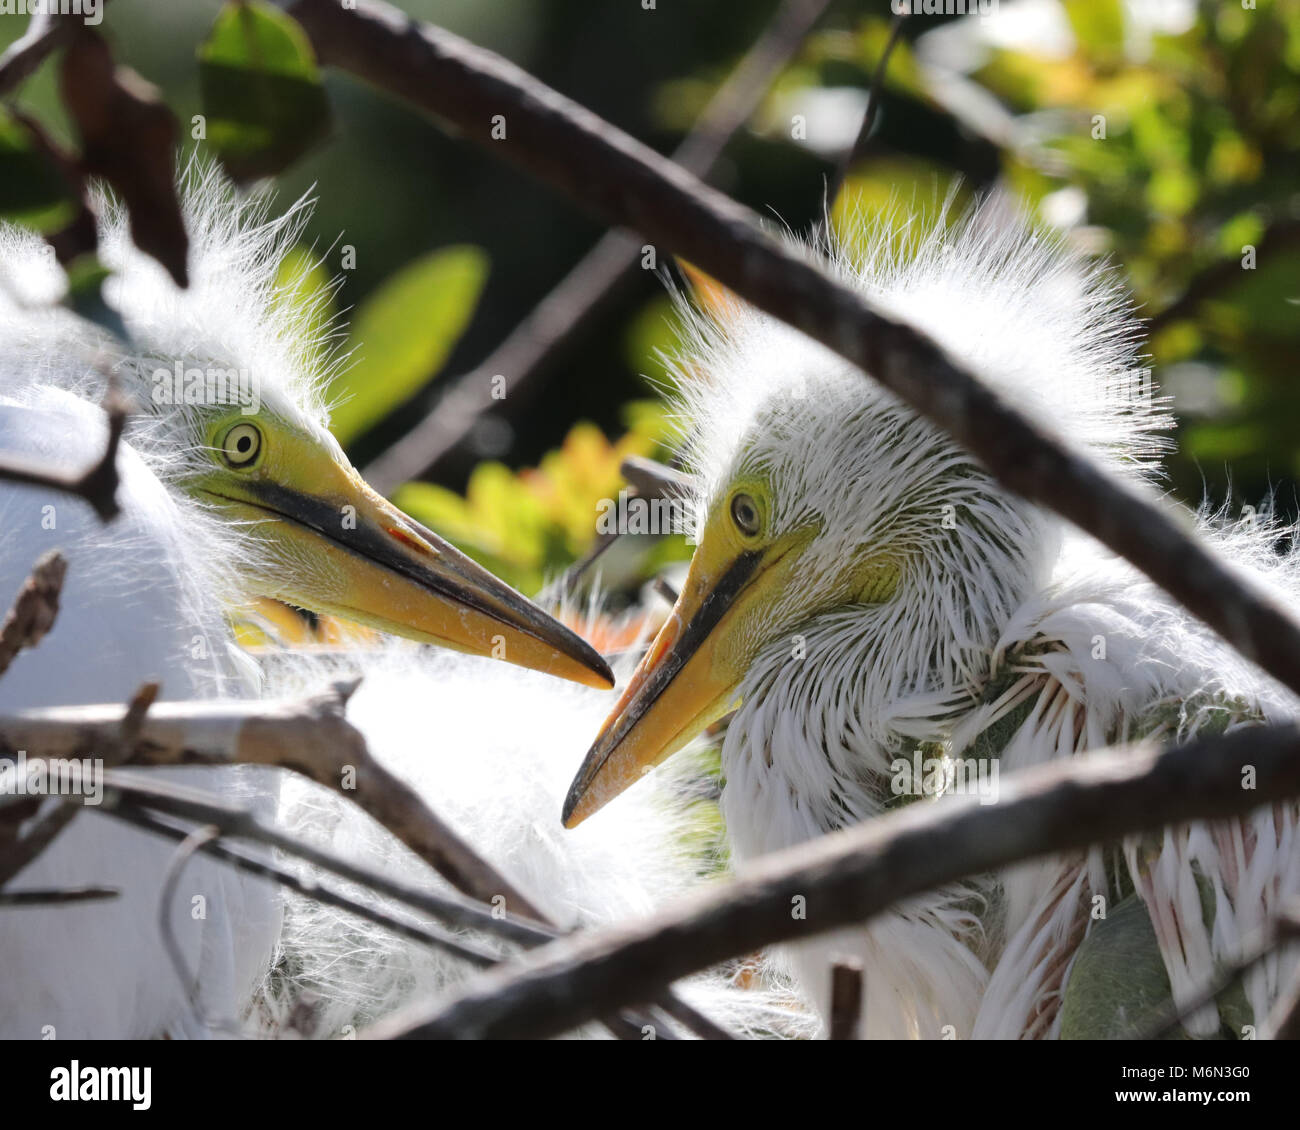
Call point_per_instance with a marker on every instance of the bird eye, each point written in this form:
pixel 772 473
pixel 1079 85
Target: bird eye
pixel 744 512
pixel 241 445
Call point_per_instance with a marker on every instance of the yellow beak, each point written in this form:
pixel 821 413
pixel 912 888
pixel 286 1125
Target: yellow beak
pixel 345 550
pixel 688 678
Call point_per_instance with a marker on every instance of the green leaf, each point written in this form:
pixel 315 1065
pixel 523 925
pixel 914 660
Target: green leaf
pixel 32 190
pixel 304 290
pixel 1118 986
pixel 262 94
pixel 1099 26
pixel 404 334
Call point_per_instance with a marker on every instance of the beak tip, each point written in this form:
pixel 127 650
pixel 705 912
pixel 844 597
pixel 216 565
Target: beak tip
pixel 578 801
pixel 567 812
pixel 600 668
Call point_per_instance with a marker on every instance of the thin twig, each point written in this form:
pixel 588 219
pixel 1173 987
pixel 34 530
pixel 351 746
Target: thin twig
pixel 18 853
pixel 192 842
pixel 652 479
pixel 1219 276
pixel 632 186
pixel 846 1000
pixel 243 860
pixel 853 154
pixel 62 896
pixel 454 910
pixel 129 805
pixel 34 608
pixel 648 479
pixel 97 484
pixel 596 281
pixel 665 590
pixel 848 876
pixel 45 32
pixel 1252 951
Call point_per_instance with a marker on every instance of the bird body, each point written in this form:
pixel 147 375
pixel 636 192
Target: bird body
pixel 491 749
pixel 232 489
pixel 101 970
pixel 867 597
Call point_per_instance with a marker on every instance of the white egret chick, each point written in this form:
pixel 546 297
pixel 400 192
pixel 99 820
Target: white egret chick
pixel 232 489
pixel 869 599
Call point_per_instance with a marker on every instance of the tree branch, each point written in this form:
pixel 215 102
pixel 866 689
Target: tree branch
pixel 855 151
pixel 310 736
pixel 632 186
pixel 97 484
pixel 1219 276
pixel 45 32
pixel 34 608
pixel 848 876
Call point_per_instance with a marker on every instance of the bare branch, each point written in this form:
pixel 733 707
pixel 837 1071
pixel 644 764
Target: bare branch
pixel 180 803
pixel 20 851
pixel 141 817
pixel 1284 1020
pixel 97 484
pixel 55 897
pixel 591 286
pixel 1279 236
pixel 310 736
pixel 652 479
pixel 631 186
pixel 45 32
pixel 848 876
pixel 648 479
pixel 846 1000
pixel 34 609
pixel 1251 952
pixel 853 154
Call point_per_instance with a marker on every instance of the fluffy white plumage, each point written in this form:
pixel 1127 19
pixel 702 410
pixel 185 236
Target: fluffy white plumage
pixel 145 598
pixel 1005 627
pixel 148 597
pixel 492 749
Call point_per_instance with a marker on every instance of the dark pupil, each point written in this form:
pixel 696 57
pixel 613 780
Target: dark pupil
pixel 744 513
pixel 244 443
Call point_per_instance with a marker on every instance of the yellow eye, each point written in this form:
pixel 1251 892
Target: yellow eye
pixel 744 512
pixel 241 445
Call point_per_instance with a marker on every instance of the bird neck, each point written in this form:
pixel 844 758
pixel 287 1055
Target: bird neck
pixel 829 709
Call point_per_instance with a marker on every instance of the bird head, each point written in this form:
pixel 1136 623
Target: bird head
pixel 312 533
pixel 824 502
pixel 231 384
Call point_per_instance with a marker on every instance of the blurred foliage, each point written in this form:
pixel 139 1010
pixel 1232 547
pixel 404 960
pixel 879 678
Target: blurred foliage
pixel 32 190
pixel 262 93
pixel 403 334
pixel 1164 135
pixel 527 526
pixel 1198 162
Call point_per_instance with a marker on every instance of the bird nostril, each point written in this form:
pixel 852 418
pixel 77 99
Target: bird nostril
pixel 409 540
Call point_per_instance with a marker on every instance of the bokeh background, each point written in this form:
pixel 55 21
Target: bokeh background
pixel 1199 162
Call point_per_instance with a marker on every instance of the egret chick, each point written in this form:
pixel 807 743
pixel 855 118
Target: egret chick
pixel 232 488
pixel 869 598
